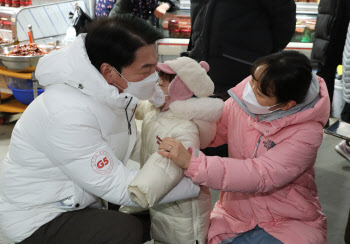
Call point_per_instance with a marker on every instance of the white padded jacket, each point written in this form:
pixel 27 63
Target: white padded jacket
pixel 69 148
pixel 346 68
pixel 193 122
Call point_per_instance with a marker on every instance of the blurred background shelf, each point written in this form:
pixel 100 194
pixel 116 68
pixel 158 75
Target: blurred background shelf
pixel 12 106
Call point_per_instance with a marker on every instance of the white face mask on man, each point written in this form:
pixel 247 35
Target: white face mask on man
pixel 158 97
pixel 141 89
pixel 252 104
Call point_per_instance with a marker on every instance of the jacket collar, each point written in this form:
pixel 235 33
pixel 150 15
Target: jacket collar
pixel 315 107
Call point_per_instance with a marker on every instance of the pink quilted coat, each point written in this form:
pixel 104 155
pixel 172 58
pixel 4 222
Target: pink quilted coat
pixel 274 189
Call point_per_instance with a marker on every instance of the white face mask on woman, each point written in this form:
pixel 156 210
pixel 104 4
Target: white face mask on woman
pixel 158 97
pixel 252 104
pixel 142 89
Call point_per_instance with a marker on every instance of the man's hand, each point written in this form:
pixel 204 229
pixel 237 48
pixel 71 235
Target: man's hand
pixel 161 10
pixel 174 150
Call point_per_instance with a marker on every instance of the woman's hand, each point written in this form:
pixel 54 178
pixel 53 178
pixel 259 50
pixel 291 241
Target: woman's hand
pixel 174 150
pixel 161 10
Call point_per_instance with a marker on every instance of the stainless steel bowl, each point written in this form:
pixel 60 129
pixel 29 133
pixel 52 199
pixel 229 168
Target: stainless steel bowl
pixel 21 63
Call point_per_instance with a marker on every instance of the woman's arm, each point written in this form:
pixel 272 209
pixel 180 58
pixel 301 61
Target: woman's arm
pixel 174 4
pixel 166 6
pixel 274 169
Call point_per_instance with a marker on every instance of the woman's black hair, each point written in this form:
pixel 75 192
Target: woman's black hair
pixel 286 75
pixel 114 40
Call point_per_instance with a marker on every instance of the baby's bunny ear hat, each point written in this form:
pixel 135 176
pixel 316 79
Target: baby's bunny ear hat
pixel 191 78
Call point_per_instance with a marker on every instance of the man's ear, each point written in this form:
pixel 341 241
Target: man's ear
pixel 288 105
pixel 106 71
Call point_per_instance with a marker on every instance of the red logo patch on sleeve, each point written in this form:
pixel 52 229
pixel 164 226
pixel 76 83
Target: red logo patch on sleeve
pixel 102 162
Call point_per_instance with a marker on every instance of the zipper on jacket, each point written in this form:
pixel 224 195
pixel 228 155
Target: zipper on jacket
pixel 256 147
pixel 195 215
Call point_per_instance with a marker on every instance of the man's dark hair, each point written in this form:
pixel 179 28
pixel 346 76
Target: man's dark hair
pixel 287 75
pixel 114 40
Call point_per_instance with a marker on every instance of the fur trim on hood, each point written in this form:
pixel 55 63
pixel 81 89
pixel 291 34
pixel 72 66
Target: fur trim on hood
pixel 204 112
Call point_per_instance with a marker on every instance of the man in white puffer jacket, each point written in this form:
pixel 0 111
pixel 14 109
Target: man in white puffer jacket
pixel 181 109
pixel 68 150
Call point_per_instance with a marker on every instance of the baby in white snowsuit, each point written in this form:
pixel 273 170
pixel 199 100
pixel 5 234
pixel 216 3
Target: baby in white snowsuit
pixel 182 109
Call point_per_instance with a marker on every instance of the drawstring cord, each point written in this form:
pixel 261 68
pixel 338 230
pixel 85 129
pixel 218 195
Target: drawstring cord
pixel 127 117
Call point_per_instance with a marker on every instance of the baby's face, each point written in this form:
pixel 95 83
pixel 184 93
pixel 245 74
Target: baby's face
pixel 164 84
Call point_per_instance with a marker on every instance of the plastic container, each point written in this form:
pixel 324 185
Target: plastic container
pixel 338 99
pixel 173 24
pixel 185 33
pixel 15 3
pixel 174 33
pixel 25 3
pixel 8 3
pixel 23 90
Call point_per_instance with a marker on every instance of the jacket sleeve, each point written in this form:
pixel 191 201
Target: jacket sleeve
pixel 221 130
pixel 276 168
pixel 75 145
pixel 120 7
pixel 282 15
pixel 142 109
pixel 159 174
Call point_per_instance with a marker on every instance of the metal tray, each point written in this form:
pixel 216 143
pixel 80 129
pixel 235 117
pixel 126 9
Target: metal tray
pixel 6 44
pixel 21 63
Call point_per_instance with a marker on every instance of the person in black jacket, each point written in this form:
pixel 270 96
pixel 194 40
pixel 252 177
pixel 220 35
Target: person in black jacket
pixel 231 35
pixel 150 10
pixel 330 34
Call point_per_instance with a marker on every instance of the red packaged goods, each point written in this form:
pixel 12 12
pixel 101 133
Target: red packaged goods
pixel 174 33
pixel 30 49
pixel 8 3
pixel 25 3
pixel 173 24
pixel 2 2
pixel 15 3
pixel 186 33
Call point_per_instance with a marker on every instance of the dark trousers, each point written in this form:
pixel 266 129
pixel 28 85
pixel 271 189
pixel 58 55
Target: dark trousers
pixel 89 226
pixel 255 236
pixel 345 114
pixel 347 231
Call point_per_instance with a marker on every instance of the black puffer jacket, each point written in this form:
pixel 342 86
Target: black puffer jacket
pixel 231 35
pixel 125 7
pixel 330 34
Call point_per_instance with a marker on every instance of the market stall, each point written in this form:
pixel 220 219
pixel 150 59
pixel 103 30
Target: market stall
pixel 49 22
pixel 176 27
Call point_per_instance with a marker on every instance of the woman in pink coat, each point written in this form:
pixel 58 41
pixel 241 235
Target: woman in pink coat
pixel 273 124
